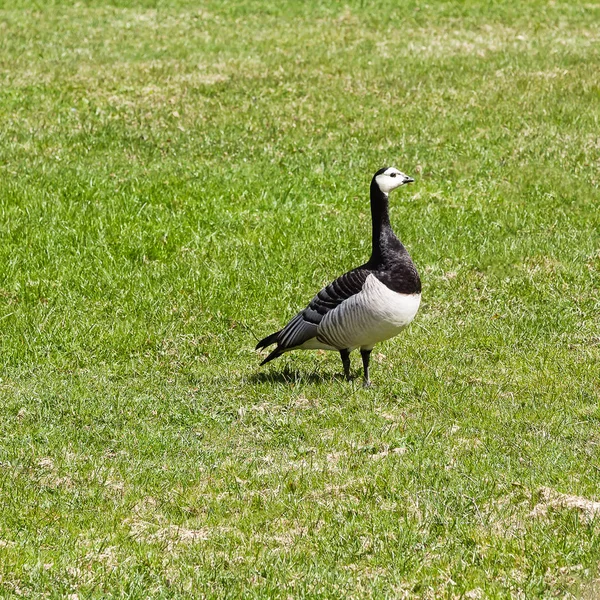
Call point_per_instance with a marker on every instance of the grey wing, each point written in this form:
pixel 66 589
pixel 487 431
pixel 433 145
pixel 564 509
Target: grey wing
pixel 296 332
pixel 304 326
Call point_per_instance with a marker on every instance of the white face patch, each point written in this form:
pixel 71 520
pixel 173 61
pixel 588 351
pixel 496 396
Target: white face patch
pixel 390 179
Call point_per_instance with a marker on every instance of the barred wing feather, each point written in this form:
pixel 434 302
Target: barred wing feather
pixel 304 326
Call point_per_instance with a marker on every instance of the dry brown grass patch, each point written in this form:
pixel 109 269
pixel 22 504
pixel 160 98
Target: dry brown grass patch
pixel 550 499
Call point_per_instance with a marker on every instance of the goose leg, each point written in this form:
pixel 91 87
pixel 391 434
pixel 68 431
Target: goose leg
pixel 345 355
pixel 366 355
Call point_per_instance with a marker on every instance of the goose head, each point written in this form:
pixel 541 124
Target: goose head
pixel 389 178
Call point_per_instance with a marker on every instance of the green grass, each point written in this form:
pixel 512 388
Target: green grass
pixel 177 180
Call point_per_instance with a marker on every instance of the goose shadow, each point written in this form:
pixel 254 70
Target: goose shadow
pixel 287 375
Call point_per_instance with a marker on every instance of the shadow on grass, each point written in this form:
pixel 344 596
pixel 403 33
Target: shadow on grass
pixel 287 375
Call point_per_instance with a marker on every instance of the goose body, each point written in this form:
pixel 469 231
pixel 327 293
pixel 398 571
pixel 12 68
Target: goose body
pixel 366 305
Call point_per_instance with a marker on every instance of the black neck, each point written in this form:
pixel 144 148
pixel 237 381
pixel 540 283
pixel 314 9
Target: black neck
pixel 381 222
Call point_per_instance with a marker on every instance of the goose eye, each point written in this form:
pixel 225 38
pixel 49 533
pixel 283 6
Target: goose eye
pixel 393 174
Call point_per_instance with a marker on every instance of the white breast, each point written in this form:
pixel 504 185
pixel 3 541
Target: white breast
pixel 373 315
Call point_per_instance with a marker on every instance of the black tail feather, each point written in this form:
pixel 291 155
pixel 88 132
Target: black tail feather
pixel 275 354
pixel 270 339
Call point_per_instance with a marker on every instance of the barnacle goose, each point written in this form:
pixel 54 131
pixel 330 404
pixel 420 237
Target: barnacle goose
pixel 367 305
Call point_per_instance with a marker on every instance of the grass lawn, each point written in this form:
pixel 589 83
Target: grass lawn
pixel 177 179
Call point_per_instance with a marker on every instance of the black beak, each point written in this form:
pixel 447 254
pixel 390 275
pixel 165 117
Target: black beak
pixel 408 180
